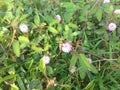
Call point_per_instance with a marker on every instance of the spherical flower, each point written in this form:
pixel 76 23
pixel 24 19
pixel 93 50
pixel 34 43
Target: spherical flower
pixel 72 70
pixel 117 11
pixel 112 26
pixel 23 28
pixel 58 17
pixel 66 47
pixel 89 60
pixel 106 1
pixel 46 59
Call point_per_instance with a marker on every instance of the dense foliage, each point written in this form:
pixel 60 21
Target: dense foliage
pixel 59 45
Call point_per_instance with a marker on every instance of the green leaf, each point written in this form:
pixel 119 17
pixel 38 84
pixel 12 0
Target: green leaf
pixel 82 72
pixel 53 30
pixel 47 47
pixel 108 8
pixel 23 41
pixel 18 11
pixel 49 70
pixel 99 31
pixel 7 77
pixel 96 45
pixel 90 85
pixel 24 16
pixel 11 70
pixel 67 16
pixel 53 22
pixel 37 49
pixel 8 16
pixel 35 84
pixel 16 48
pixel 42 67
pixel 86 64
pixel 73 60
pixel 1 33
pixel 86 41
pixel 99 14
pixel 70 7
pixel 30 64
pixel 59 28
pixel 42 2
pixel 20 83
pixel 68 33
pixel 76 33
pixel 72 25
pixel 67 28
pixel 37 40
pixel 37 19
pixel 14 87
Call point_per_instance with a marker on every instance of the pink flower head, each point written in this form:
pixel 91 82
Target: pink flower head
pixel 89 60
pixel 117 11
pixel 106 1
pixel 66 47
pixel 23 28
pixel 58 17
pixel 112 26
pixel 46 59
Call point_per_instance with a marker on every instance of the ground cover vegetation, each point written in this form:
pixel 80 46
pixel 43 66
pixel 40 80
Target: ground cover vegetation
pixel 59 45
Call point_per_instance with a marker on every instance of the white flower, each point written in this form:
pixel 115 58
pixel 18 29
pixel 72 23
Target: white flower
pixel 72 70
pixel 66 47
pixel 58 17
pixel 112 26
pixel 89 60
pixel 106 1
pixel 46 59
pixel 23 28
pixel 117 11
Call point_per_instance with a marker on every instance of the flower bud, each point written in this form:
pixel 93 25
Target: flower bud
pixel 58 17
